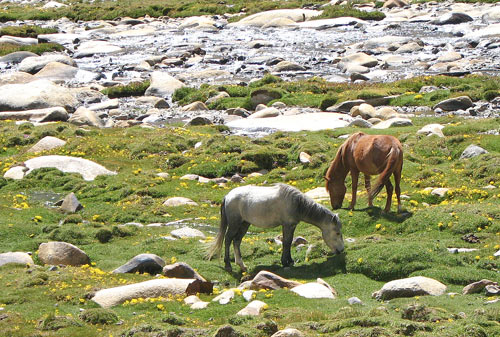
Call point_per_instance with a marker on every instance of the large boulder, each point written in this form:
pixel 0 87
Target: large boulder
pixel 88 169
pixel 432 129
pixel 56 252
pixel 15 257
pixel 410 287
pixel 60 72
pixel 47 143
pixel 163 85
pixel 268 280
pixel 85 116
pixel 149 289
pixel 453 104
pixel 472 151
pixel 37 94
pixel 179 201
pixel 263 18
pixel 90 48
pixel 181 270
pixel 361 59
pixel 71 204
pixel 142 263
pixel 34 64
pixel 477 287
pixel 37 115
pixel 16 57
pixel 452 18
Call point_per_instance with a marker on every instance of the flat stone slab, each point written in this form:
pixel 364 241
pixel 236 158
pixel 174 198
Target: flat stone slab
pixel 186 233
pixel 149 289
pixel 307 121
pixel 142 263
pixel 88 169
pixel 47 143
pixel 15 257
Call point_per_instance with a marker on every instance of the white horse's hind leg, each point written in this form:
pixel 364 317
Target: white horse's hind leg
pixel 236 246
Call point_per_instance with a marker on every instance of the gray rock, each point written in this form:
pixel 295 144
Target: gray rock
pixel 395 4
pixel 56 252
pixel 187 233
pixel 16 57
pixel 90 48
pixel 354 301
pixel 16 257
pixel 37 115
pixel 38 94
pixel 47 143
pixel 88 169
pixel 179 201
pixel 410 287
pixel 472 151
pixel 142 263
pixel 71 204
pixel 227 331
pixel 361 59
pixel 313 290
pixel 289 332
pixel 59 72
pixel 263 96
pixel 256 44
pixel 154 288
pixel 268 280
pixel 450 56
pixel 492 290
pixel 288 66
pixel 360 122
pixel 253 308
pixel 85 116
pixel 163 85
pixel 265 113
pixel 477 287
pixel 181 270
pixel 106 105
pixel 393 122
pixel 432 129
pixel 345 106
pixel 452 18
pixel 195 106
pixel 34 64
pixel 199 120
pixel 453 104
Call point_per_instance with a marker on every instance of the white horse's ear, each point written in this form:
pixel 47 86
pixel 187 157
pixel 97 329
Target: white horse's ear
pixel 336 220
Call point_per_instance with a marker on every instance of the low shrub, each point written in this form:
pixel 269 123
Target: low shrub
pixel 99 316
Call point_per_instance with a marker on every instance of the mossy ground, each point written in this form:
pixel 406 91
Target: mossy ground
pixel 316 92
pixel 387 246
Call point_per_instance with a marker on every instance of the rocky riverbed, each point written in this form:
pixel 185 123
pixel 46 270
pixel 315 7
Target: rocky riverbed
pixel 420 39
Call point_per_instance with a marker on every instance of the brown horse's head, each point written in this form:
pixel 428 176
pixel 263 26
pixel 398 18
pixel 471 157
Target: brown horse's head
pixel 336 188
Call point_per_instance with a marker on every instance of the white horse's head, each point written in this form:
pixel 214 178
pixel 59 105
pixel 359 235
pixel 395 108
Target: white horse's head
pixel 332 234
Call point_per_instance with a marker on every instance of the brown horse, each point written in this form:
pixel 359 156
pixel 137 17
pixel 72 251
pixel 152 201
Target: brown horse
pixel 372 155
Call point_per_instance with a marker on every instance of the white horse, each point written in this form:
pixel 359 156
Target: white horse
pixel 268 207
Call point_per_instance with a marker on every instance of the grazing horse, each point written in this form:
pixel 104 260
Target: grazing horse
pixel 370 154
pixel 268 207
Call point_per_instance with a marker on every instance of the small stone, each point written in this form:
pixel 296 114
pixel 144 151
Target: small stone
pixel 71 204
pixel 181 270
pixel 253 308
pixel 305 158
pixel 472 151
pixel 249 295
pixel 409 287
pixel 290 332
pixel 492 290
pixel 354 300
pixel 225 297
pixel 187 233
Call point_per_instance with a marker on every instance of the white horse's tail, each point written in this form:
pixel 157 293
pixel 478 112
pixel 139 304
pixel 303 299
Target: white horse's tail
pixel 216 246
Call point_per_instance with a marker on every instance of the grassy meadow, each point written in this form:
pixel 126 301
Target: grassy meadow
pixel 39 302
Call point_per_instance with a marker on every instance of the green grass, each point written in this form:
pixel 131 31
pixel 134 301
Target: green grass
pixel 316 92
pixel 131 89
pixel 385 246
pixel 40 48
pixel 26 31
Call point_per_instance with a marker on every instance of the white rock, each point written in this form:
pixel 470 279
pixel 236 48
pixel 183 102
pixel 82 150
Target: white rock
pixel 225 297
pixel 432 129
pixel 393 122
pixel 313 290
pixel 179 201
pixel 192 300
pixel 290 332
pixel 186 232
pixel 253 308
pixel 16 257
pixel 90 48
pixel 149 289
pixel 199 305
pixel 163 85
pixel 440 192
pixel 263 18
pixel 249 295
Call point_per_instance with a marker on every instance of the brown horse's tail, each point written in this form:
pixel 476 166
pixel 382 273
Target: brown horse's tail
pixel 216 246
pixel 391 166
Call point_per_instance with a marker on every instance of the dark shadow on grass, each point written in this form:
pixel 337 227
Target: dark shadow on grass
pixel 333 265
pixel 376 213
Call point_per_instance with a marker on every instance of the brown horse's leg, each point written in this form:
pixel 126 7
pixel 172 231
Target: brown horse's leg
pixel 355 176
pixel 397 179
pixel 389 189
pixel 368 187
